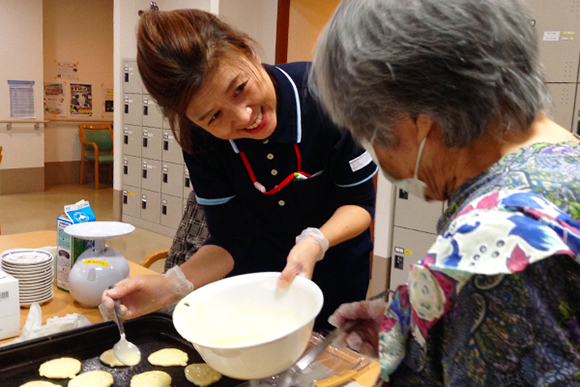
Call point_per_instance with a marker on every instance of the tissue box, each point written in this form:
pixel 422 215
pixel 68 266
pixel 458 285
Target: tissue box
pixel 9 306
pixel 68 248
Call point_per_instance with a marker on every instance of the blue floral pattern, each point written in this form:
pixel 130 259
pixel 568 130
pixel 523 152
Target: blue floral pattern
pixel 490 301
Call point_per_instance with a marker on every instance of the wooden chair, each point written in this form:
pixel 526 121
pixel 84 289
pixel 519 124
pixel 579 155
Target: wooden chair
pixel 154 257
pixel 97 146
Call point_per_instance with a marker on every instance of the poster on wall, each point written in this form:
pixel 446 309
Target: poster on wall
pixel 54 100
pixel 67 70
pixel 21 99
pixel 81 99
pixel 108 97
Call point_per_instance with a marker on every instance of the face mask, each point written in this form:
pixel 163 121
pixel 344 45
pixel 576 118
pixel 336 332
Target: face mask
pixel 412 185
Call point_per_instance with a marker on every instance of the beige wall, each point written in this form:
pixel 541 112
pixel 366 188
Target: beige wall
pixel 21 59
pixel 77 32
pixel 307 18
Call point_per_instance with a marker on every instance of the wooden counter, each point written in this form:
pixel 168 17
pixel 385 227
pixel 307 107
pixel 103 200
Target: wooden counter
pixel 62 303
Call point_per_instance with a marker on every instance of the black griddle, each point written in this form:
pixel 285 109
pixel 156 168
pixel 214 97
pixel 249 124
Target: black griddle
pixel 19 362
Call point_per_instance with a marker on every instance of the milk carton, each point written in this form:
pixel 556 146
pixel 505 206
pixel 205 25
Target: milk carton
pixel 68 247
pixel 9 306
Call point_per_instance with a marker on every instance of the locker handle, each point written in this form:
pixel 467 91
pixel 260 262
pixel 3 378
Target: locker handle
pixel 165 145
pixel 125 170
pixel 403 194
pixel 126 108
pixel 143 204
pixel 126 77
pixel 144 174
pixel 165 177
pixel 126 139
pixel 578 128
pixel 187 182
pixel 164 209
pixel 144 142
pixel 124 199
pixel 145 110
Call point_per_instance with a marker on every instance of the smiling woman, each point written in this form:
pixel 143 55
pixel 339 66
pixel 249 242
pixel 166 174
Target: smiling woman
pixel 281 185
pixel 239 101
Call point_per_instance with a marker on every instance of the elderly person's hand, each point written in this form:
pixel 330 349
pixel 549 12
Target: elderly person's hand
pixel 364 338
pixel 144 294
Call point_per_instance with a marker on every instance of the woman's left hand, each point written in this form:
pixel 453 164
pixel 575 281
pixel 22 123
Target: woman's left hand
pixel 300 261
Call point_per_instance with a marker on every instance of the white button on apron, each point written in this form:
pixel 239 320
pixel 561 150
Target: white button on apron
pixel 281 203
pixel 274 172
pixel 270 156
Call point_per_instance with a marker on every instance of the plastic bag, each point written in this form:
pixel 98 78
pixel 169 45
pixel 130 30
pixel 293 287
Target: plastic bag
pixel 34 328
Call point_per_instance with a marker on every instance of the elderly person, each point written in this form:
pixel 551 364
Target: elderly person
pixel 450 96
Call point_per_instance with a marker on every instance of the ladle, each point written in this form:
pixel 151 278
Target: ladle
pixel 125 351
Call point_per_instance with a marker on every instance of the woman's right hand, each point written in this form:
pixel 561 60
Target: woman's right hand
pixel 364 338
pixel 144 294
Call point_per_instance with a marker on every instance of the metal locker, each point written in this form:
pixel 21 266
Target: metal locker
pixel 152 115
pixel 131 79
pixel 165 123
pixel 150 206
pixel 409 246
pixel 187 186
pixel 416 214
pixel 563 95
pixel 576 113
pixel 131 202
pixel 132 140
pixel 132 109
pixel 556 25
pixel 171 150
pixel 171 211
pixel 132 171
pixel 151 143
pixel 172 179
pixel 151 175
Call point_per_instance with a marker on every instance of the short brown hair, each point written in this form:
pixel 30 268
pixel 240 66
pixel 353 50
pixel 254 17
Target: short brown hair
pixel 176 51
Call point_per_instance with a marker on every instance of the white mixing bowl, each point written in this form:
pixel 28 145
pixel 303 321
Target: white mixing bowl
pixel 245 327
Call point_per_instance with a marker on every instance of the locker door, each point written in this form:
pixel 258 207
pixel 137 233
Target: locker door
pixel 131 80
pixel 131 197
pixel 171 179
pixel 150 206
pixel 151 143
pixel 416 214
pixel 171 150
pixel 576 113
pixel 556 25
pixel 132 140
pixel 132 171
pixel 152 116
pixel 171 211
pixel 563 95
pixel 151 175
pixel 132 109
pixel 409 246
pixel 187 186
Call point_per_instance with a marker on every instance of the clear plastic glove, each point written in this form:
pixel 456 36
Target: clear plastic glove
pixel 364 338
pixel 300 261
pixel 144 294
pixel 311 245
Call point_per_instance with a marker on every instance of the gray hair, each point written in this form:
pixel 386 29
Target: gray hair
pixel 464 63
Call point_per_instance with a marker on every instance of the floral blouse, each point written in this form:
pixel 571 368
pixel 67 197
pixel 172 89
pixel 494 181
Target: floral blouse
pixel 496 301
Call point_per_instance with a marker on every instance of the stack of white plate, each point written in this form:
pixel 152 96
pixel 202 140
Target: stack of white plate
pixel 34 271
